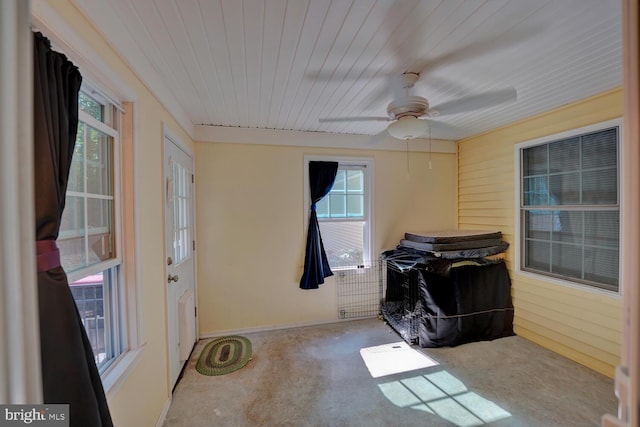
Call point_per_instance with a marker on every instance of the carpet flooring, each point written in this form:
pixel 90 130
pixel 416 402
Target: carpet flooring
pixel 316 376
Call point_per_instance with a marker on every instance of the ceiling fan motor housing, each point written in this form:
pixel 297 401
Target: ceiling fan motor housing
pixel 415 106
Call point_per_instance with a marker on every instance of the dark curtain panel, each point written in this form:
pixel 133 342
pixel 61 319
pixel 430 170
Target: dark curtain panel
pixel 316 267
pixel 69 373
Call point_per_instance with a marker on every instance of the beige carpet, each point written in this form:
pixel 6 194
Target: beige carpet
pixel 317 376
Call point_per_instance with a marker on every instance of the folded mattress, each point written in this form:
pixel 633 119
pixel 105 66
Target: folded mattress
pixel 451 236
pixel 465 244
pixel 461 253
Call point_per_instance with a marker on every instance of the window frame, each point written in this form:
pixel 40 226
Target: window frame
pixel 347 217
pixel 518 206
pixel 112 268
pixel 369 168
pixel 116 199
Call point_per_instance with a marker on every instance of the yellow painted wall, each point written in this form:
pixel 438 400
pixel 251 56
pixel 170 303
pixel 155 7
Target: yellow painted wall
pixel 251 235
pixel 581 325
pixel 140 398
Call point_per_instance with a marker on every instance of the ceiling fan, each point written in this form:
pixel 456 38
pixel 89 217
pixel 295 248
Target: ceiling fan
pixel 406 110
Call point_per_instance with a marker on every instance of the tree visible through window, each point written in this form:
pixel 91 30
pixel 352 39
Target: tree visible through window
pixel 87 239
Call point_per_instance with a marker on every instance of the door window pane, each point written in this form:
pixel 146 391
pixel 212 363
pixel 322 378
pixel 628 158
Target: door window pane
pixel 181 198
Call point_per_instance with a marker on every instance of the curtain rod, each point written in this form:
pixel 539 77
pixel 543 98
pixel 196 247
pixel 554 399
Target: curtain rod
pixel 359 165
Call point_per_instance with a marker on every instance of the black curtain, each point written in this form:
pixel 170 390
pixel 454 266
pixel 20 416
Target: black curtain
pixel 69 373
pixel 316 267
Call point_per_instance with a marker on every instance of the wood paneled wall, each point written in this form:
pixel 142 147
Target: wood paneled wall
pixel 582 325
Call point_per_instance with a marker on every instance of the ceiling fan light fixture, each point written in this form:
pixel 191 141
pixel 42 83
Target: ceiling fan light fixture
pixel 408 127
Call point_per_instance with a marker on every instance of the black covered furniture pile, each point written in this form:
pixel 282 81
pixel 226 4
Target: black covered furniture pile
pixel 448 288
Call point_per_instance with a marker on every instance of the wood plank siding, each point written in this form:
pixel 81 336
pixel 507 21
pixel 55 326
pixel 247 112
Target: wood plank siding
pixel 580 324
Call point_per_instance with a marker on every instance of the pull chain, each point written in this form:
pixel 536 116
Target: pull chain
pixel 429 147
pixel 407 140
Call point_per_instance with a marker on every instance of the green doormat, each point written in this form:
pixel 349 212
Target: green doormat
pixel 224 355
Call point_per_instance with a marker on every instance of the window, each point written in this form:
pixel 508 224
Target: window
pixel 181 200
pixel 89 234
pixel 570 207
pixel 344 215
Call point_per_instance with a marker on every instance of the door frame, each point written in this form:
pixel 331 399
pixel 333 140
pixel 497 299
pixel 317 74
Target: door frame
pixel 169 136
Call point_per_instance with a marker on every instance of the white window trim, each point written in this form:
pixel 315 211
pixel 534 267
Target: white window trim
pixel 517 209
pixel 368 198
pixel 94 69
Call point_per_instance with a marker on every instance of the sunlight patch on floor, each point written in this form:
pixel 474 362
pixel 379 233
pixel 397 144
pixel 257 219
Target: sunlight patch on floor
pixel 394 358
pixel 440 393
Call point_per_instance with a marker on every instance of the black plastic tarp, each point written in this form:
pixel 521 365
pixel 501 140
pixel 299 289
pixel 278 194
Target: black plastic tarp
pixel 472 304
pixel 437 302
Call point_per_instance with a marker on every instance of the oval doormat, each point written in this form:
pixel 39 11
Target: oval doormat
pixel 224 355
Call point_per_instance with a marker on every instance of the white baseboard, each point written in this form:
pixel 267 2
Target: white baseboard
pixel 215 334
pixel 164 412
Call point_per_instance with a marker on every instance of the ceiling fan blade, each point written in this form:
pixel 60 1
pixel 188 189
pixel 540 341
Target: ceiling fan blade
pixel 354 119
pixel 438 127
pixel 382 92
pixel 475 49
pixel 474 102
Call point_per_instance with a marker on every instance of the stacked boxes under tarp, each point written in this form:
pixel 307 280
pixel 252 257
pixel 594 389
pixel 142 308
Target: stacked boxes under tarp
pixel 451 289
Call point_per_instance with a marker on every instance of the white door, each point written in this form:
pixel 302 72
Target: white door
pixel 180 244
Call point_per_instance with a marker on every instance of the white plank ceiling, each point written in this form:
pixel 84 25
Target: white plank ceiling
pixel 284 64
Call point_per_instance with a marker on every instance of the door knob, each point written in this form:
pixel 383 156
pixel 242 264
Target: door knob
pixel 173 278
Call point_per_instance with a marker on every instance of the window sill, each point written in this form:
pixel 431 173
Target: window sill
pixel 352 268
pixel 120 370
